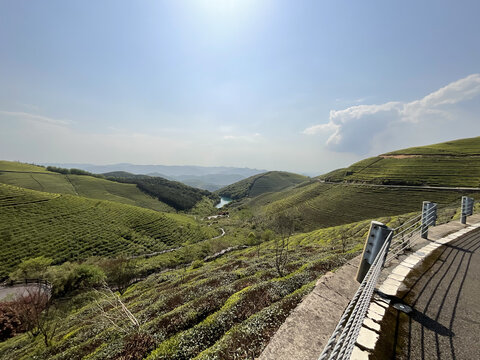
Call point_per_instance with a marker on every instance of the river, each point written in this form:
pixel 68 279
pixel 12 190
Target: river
pixel 223 201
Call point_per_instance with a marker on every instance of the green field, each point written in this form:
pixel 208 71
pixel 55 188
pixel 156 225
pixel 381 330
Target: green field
pixel 272 181
pixel 18 166
pixel 225 309
pixel 318 205
pixel 453 164
pixel 37 178
pixel 66 227
pixel 461 147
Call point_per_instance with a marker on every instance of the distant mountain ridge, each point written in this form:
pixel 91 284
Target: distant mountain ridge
pixel 167 170
pixel 204 177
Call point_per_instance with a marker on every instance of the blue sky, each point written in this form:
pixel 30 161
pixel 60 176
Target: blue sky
pixel 306 86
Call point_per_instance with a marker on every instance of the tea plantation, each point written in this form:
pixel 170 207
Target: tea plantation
pixel 318 205
pixel 272 181
pixel 38 178
pixel 453 164
pixel 67 227
pixel 224 309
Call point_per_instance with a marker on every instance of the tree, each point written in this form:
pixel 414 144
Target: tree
pixel 10 321
pixel 113 310
pixel 284 225
pixel 35 268
pixel 38 312
pixel 70 277
pixel 252 239
pixel 120 272
pixel 344 240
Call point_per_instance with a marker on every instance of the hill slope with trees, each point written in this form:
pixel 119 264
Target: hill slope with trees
pixel 172 193
pixel 271 181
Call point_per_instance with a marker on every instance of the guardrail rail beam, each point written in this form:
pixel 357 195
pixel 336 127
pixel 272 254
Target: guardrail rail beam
pixel 377 235
pixel 429 217
pixel 467 208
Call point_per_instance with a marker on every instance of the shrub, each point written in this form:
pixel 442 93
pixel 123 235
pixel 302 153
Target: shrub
pixel 197 264
pixel 136 346
pixel 34 268
pixel 10 321
pixel 70 277
pixel 119 272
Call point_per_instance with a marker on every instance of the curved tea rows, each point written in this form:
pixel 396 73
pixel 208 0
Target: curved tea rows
pixel 66 227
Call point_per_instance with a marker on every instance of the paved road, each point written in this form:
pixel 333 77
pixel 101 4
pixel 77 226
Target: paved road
pixel 9 293
pixel 445 297
pixel 420 187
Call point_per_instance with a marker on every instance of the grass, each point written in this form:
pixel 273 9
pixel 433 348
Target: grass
pixel 225 309
pixel 66 227
pixel 263 183
pixel 462 147
pixel 37 178
pixel 452 164
pixel 18 166
pixel 319 205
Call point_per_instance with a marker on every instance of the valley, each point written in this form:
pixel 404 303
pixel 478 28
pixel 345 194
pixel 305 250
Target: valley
pixel 201 282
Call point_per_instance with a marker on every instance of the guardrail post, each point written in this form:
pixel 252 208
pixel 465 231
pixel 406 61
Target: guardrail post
pixel 467 208
pixel 377 235
pixel 429 217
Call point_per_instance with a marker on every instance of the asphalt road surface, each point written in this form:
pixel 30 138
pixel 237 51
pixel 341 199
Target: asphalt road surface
pixel 444 294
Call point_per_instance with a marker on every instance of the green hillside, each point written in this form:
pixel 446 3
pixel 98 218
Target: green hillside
pixel 225 309
pixel 461 147
pixel 65 227
pixel 263 183
pixel 454 163
pixel 18 166
pixel 173 193
pixel 38 178
pixel 318 205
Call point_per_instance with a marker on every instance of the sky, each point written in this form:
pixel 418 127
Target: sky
pixel 303 86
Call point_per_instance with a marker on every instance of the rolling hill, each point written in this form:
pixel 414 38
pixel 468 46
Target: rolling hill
pixel 67 227
pixel 147 192
pixel 271 181
pixel 223 309
pixel 204 177
pixel 227 308
pixel 172 193
pixel 369 188
pixel 454 163
pixel 319 205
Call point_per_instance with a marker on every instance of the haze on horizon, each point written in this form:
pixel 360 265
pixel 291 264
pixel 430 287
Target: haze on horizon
pixel 303 86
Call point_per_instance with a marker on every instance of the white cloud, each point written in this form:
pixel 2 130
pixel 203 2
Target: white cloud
pixel 35 117
pixel 247 138
pixel 328 127
pixel 355 128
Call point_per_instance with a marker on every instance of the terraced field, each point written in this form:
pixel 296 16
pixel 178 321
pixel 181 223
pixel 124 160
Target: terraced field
pixel 37 178
pixel 272 181
pixel 18 166
pixel 320 205
pixel 66 227
pixel 224 309
pixel 431 170
pixel 453 164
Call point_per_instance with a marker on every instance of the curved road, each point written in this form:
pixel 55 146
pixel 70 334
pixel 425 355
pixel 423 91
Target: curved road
pixel 444 294
pixel 421 187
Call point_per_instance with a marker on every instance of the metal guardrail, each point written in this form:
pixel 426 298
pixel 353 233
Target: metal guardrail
pixel 342 341
pixel 26 282
pixel 394 242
